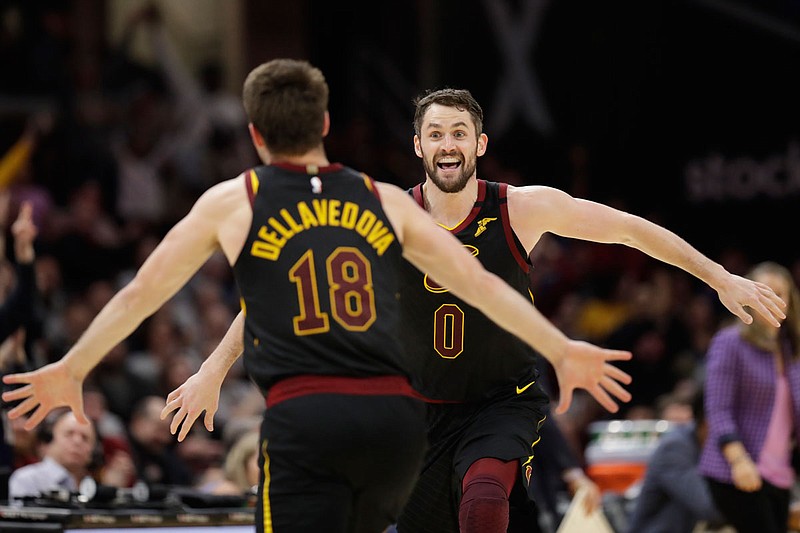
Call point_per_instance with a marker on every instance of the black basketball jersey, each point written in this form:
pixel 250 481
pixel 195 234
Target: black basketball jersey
pixel 319 276
pixel 456 352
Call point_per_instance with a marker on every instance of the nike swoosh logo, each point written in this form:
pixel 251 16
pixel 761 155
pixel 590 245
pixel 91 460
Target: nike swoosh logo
pixel 520 390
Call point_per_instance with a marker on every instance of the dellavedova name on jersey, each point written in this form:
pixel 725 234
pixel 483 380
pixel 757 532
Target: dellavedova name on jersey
pixel 274 235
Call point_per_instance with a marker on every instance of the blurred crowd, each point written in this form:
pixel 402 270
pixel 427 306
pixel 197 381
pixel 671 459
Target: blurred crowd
pixel 110 153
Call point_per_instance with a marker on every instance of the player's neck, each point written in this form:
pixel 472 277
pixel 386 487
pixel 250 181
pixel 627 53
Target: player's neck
pixel 447 208
pixel 315 157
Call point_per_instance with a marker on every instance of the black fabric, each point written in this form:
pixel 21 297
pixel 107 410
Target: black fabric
pixel 506 428
pixel 487 376
pixel 18 307
pixel 763 511
pixel 318 275
pixel 339 463
pixel 457 353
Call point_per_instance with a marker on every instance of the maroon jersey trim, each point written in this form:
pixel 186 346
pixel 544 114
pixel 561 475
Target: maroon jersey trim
pixel 310 169
pixel 417 192
pixel 475 209
pixel 249 177
pixel 304 385
pixel 512 243
pixel 370 183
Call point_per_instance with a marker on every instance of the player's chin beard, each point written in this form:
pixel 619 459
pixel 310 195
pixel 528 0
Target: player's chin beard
pixel 466 170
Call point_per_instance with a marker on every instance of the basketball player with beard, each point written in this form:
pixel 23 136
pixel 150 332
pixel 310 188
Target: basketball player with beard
pixel 485 403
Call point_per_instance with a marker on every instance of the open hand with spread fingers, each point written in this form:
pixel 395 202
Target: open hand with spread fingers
pixel 587 366
pixel 43 390
pixel 199 393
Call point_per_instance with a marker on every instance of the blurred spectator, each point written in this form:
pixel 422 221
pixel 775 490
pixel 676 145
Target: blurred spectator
pixel 240 471
pixel 234 431
pixel 163 339
pixel 654 334
pixel 674 408
pixel 674 496
pixel 152 445
pixel 118 469
pixel 169 132
pixel 123 389
pixel 753 410
pixel 88 243
pixel 607 307
pixel 702 321
pixel 26 448
pixel 16 309
pixel 70 453
pixel 16 170
pixel 229 147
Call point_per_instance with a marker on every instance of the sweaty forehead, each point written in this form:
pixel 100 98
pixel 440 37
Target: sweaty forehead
pixel 440 116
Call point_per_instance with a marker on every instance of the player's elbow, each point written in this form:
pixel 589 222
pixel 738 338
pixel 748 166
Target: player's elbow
pixel 632 230
pixel 136 297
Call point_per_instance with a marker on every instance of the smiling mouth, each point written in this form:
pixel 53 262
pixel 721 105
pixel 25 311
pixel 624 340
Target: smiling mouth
pixel 448 165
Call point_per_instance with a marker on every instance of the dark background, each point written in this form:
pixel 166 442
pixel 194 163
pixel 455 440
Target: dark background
pixel 640 89
pixel 650 101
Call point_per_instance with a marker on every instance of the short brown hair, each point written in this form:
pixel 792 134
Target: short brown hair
pixel 286 100
pixel 461 99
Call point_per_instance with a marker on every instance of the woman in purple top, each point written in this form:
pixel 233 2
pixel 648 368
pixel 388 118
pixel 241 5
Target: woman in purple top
pixel 752 401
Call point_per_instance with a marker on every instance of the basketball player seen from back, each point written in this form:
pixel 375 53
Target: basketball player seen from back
pixel 316 249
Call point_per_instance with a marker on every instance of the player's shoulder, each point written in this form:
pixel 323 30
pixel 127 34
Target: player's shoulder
pixel 533 190
pixel 392 195
pixel 225 195
pixel 227 185
pixel 541 196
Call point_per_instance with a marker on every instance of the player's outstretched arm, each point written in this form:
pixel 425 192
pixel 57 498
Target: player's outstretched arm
pixel 436 252
pixel 201 391
pixel 535 209
pixel 185 248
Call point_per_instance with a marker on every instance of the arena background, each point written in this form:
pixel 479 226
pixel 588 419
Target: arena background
pixel 685 112
pixel 682 111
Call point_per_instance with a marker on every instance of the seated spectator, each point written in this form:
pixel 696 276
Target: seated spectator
pixel 152 445
pixel 241 467
pixel 68 453
pixel 674 496
pixel 118 469
pixel 674 408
